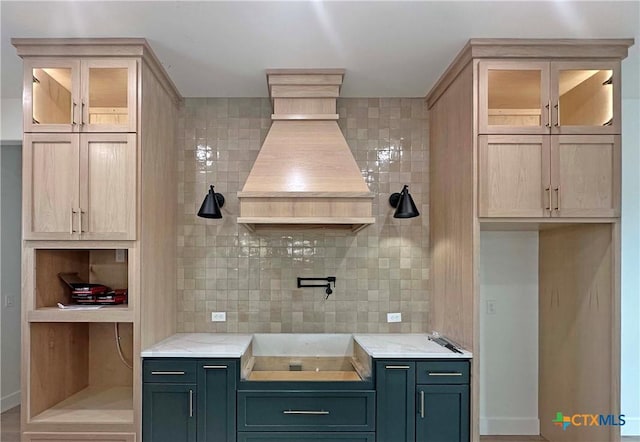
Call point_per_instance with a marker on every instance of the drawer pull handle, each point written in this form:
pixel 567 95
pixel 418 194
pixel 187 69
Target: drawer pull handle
pixel 422 404
pixel 164 373
pixel 211 367
pixel 190 403
pixel 314 412
pixel 397 367
pixel 446 374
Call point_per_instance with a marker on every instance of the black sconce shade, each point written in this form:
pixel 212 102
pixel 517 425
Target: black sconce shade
pixel 210 207
pixel 405 207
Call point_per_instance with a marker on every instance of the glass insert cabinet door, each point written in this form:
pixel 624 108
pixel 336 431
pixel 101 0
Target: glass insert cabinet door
pixel 540 97
pixel 80 95
pixel 586 97
pixel 514 97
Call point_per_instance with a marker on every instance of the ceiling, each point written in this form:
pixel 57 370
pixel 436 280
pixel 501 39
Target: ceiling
pixel 396 48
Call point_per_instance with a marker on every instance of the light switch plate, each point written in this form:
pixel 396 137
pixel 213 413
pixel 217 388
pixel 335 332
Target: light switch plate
pixel 119 255
pixel 394 317
pixel 491 307
pixel 218 316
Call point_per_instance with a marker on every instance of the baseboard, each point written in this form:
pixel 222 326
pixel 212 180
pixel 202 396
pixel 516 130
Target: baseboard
pixel 9 401
pixel 631 426
pixel 509 426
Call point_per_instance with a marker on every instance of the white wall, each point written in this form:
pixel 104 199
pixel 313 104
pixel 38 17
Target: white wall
pixel 11 119
pixel 10 174
pixel 630 400
pixel 509 338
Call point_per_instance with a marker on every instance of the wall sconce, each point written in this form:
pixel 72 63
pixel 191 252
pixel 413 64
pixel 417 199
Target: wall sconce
pixel 405 207
pixel 210 207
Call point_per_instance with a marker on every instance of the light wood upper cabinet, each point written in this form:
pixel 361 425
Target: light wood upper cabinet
pixel 514 176
pixel 541 97
pixel 585 175
pixel 50 186
pixel 79 186
pixel 559 176
pixel 80 95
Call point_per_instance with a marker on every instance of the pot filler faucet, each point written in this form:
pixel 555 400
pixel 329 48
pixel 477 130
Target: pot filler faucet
pixel 328 279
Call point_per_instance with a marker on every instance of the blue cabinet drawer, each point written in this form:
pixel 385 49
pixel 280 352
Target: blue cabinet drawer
pixel 171 371
pixel 306 437
pixel 306 411
pixel 442 372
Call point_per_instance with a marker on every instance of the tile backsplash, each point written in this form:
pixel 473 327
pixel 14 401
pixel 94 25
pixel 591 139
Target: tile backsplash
pixel 252 276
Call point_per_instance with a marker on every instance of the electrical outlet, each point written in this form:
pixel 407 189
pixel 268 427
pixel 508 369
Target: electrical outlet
pixel 394 317
pixel 491 307
pixel 9 301
pixel 120 255
pixel 218 316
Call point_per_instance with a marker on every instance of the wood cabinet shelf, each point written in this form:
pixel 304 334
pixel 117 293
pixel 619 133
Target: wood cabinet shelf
pixel 92 405
pixel 107 313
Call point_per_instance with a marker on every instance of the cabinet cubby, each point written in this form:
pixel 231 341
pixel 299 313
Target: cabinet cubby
pixel 98 266
pixel 76 374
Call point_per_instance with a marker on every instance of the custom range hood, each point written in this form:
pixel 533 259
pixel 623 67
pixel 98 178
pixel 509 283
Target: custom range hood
pixel 305 175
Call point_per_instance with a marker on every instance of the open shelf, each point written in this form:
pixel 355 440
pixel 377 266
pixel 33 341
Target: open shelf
pixel 76 374
pixel 101 405
pixel 96 266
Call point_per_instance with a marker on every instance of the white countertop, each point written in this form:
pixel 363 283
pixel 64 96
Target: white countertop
pixel 200 345
pixel 231 345
pixel 402 345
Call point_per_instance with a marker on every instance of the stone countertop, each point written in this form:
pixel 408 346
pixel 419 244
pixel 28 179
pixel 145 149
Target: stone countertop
pixel 403 345
pixel 231 345
pixel 200 345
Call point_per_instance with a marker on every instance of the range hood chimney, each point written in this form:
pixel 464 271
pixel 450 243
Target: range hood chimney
pixel 305 174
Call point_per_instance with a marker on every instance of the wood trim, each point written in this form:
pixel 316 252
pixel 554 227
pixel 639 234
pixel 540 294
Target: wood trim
pixel 310 71
pixel 550 48
pixel 305 91
pixel 79 437
pixel 450 75
pixel 258 194
pixel 333 117
pixel 305 220
pixel 105 314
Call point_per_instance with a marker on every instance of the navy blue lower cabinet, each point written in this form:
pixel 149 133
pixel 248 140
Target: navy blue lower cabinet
pixel 395 401
pixel 442 413
pixel 296 411
pixel 305 437
pixel 216 409
pixel 168 412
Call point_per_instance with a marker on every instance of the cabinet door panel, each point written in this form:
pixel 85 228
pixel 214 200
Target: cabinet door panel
pixel 51 95
pixel 514 176
pixel 586 97
pixel 50 186
pixel 109 95
pixel 217 401
pixel 585 172
pixel 443 413
pixel 108 180
pixel 395 404
pixel 513 97
pixel 168 413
